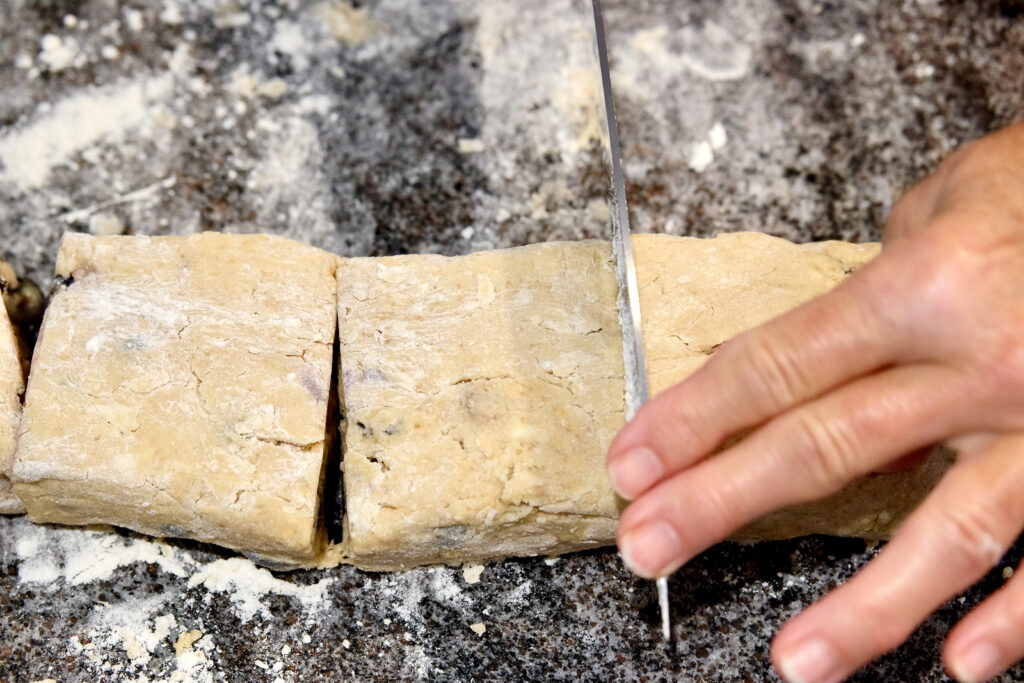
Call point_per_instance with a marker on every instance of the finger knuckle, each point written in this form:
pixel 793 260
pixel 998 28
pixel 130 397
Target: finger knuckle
pixel 829 450
pixel 971 533
pixel 778 379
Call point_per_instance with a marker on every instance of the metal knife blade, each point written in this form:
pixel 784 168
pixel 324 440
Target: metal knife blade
pixel 625 268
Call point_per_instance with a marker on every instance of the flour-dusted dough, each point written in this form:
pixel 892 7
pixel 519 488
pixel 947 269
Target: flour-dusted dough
pixel 180 387
pixel 480 394
pixel 696 294
pixel 11 387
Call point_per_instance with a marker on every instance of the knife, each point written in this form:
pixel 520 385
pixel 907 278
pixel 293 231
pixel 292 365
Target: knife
pixel 625 268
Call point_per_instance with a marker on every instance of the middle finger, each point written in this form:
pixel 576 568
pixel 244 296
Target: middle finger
pixel 802 455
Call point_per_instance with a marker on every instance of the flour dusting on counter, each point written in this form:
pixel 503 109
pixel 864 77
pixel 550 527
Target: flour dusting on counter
pixel 78 556
pixel 246 585
pixel 72 124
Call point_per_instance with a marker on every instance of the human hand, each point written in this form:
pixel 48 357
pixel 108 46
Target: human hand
pixel 925 344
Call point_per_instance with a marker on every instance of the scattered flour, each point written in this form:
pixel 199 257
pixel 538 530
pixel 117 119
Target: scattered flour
pixel 135 631
pixel 520 595
pixel 289 39
pixel 246 585
pixel 57 53
pixel 28 154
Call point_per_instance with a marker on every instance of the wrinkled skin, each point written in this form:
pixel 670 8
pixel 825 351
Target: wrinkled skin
pixel 923 345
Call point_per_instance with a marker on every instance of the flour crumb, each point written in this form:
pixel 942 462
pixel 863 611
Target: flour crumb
pixel 57 53
pixel 552 561
pixel 345 643
pixel 478 628
pixel 306 639
pixel 701 157
pixel 717 137
pixel 472 574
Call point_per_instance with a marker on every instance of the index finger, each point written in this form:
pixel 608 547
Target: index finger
pixel 826 342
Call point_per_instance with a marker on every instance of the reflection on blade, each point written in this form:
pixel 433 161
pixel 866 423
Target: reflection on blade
pixel 625 268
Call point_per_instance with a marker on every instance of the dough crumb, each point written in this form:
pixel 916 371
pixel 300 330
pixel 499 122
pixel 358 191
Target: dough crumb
pixel 346 643
pixel 1007 572
pixel 478 628
pixel 186 640
pixel 287 649
pixel 471 145
pixel 105 224
pixel 472 574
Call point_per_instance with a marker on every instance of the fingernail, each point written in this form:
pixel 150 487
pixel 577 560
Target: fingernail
pixel 980 662
pixel 813 661
pixel 635 471
pixel 650 548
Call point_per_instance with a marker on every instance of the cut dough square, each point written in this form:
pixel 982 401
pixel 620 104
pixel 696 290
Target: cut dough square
pixel 180 387
pixel 12 386
pixel 480 394
pixel 696 294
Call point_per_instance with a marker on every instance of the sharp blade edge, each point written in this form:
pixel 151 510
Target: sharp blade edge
pixel 637 391
pixel 625 268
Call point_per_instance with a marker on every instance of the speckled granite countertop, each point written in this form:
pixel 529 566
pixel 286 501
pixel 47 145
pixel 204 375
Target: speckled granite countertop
pixel 452 126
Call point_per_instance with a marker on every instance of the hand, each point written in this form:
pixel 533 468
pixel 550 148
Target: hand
pixel 923 345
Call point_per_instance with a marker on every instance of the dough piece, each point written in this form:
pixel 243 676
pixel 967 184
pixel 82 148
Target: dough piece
pixel 480 394
pixel 12 386
pixel 180 387
pixel 696 294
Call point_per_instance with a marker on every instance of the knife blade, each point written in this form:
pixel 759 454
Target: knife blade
pixel 625 268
